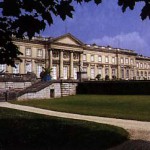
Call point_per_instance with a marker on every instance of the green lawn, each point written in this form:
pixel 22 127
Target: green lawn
pixel 134 107
pixel 27 131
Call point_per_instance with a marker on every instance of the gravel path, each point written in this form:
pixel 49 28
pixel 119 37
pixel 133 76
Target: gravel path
pixel 138 130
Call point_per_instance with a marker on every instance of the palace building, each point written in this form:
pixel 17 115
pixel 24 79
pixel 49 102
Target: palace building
pixel 67 55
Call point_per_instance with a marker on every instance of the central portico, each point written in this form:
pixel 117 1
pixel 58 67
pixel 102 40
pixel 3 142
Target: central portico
pixel 65 57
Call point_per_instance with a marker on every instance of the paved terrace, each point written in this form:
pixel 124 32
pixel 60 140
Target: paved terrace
pixel 137 129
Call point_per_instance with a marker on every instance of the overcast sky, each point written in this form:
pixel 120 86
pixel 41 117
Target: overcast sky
pixel 104 25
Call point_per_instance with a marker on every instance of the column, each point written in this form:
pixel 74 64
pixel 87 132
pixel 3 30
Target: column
pixel 103 72
pixel 110 72
pixel 50 58
pixel 71 66
pixel 80 62
pixel 95 69
pixel 61 72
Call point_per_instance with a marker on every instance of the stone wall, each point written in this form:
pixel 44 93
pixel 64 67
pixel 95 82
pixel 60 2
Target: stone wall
pixel 14 85
pixel 54 90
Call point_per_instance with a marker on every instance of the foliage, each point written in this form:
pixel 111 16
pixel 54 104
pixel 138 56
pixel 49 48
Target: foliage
pixel 98 77
pixel 23 130
pixel 22 18
pixel 115 106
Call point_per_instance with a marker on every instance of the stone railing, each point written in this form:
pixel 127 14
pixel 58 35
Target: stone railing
pixel 5 77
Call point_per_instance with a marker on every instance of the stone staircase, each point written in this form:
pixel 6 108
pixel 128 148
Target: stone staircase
pixel 34 87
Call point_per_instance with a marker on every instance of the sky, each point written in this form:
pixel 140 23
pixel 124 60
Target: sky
pixel 105 25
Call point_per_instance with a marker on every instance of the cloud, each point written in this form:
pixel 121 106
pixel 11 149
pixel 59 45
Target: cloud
pixel 131 41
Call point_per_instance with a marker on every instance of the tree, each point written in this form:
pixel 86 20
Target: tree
pixel 22 18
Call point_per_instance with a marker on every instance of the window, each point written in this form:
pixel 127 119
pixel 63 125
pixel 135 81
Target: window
pixel 100 58
pixel 75 56
pixel 145 65
pixel 28 67
pixel 113 72
pixel 39 52
pixel 106 59
pixel 148 66
pixel 127 60
pixel 121 60
pixel 113 60
pixel 141 65
pixel 137 65
pixel 16 69
pixel 131 61
pixel 85 69
pixel 137 73
pixel 39 70
pixel 122 73
pixel 28 51
pixel 100 71
pixel 55 54
pixel 127 73
pixel 106 71
pixel 75 72
pixel 132 74
pixel 145 74
pixel 141 73
pixel 92 57
pixel 84 57
pixel 54 72
pixel 65 72
pixel 2 67
pixel 92 73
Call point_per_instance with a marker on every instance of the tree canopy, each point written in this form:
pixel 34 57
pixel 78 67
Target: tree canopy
pixel 27 17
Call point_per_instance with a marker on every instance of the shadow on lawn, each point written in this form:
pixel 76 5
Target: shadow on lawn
pixel 57 134
pixel 133 145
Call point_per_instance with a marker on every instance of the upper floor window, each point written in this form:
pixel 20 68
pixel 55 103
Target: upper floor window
pixel 84 57
pixel 145 65
pixel 28 51
pixel 75 55
pixel 39 52
pixel 55 54
pixel 113 60
pixel 92 57
pixel 100 58
pixel 127 60
pixel 121 60
pixel 106 59
pixel 141 65
pixel 131 61
pixel 137 65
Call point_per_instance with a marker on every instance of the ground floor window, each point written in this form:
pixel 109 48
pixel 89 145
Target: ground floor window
pixel 39 70
pixel 113 72
pixel 127 74
pixel 122 73
pixel 92 73
pixel 65 72
pixel 54 72
pixel 16 69
pixel 75 72
pixel 106 71
pixel 28 67
pixel 2 67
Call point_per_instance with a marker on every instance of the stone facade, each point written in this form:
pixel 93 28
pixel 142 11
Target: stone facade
pixel 67 55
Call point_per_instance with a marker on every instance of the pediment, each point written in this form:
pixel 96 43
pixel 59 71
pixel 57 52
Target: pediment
pixel 68 39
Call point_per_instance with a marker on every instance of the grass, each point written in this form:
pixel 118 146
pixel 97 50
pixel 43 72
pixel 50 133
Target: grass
pixel 135 107
pixel 23 130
